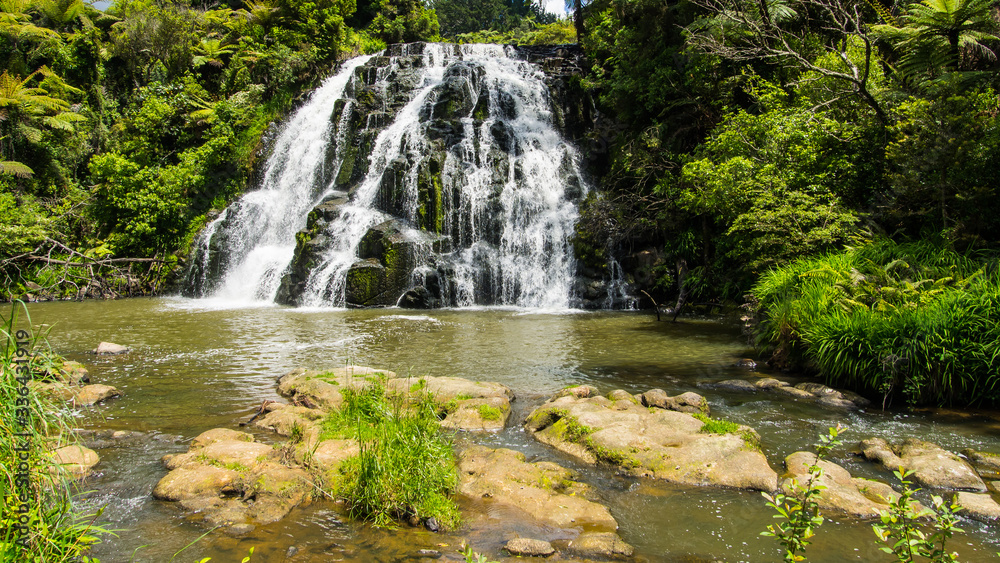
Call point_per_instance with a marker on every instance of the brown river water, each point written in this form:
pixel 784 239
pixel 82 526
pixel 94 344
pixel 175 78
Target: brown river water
pixel 196 365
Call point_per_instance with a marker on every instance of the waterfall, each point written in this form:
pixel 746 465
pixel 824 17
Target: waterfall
pixel 431 174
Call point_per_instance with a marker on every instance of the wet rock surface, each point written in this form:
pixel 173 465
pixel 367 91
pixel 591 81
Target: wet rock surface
pixel 861 498
pixel 654 442
pixel 544 490
pixel 228 479
pixel 821 394
pixel 78 461
pixel 932 466
pixel 978 506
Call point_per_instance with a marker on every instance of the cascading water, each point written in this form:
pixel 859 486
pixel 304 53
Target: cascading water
pixel 243 253
pixel 433 172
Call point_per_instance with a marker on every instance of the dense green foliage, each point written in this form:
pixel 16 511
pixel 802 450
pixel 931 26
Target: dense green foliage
pixel 123 130
pixel 749 139
pixel 405 468
pixel 40 520
pixel 913 319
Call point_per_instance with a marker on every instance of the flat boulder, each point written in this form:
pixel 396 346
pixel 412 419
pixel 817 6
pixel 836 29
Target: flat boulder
pixel 766 383
pixel 196 481
pixel 600 545
pixel 793 392
pixel 543 490
pixel 842 492
pixel 654 442
pixel 465 404
pixel 738 385
pixel 291 421
pixel 685 402
pixel 932 466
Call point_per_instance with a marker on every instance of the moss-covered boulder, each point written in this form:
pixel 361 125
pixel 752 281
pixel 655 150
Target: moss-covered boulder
pixel 678 447
pixel 323 389
pixel 388 255
pixel 310 245
pixel 464 404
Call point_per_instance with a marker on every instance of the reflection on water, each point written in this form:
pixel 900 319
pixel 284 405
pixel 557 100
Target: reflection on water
pixel 197 365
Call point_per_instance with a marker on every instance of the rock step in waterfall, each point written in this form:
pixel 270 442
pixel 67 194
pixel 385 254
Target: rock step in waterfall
pixel 430 175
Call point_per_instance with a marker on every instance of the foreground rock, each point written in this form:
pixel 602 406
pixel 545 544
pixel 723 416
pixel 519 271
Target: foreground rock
pixel 547 493
pixel 842 493
pixel 77 461
pixel 464 404
pixel 229 480
pixel 650 441
pixel 932 466
pixel 544 490
pixel 111 349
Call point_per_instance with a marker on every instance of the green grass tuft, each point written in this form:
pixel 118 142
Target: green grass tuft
pixel 916 320
pixel 487 412
pixel 406 466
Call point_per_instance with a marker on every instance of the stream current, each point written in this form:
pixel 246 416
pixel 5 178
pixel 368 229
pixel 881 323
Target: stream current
pixel 202 364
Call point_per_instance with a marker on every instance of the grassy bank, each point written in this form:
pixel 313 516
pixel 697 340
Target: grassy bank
pixel 916 320
pixel 40 520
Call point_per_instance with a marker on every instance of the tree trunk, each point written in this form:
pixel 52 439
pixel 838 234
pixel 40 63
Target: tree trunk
pixel 581 32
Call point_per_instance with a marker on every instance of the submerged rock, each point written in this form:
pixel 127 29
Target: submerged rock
pixel 76 460
pixel 110 349
pixel 600 545
pixel 986 463
pixel 93 394
pixel 932 466
pixel 653 442
pixel 73 373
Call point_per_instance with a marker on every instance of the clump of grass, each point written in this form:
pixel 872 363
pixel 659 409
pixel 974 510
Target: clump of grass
pixel 488 412
pixel 917 320
pixel 54 528
pixel 406 466
pixel 716 426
